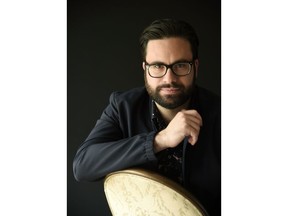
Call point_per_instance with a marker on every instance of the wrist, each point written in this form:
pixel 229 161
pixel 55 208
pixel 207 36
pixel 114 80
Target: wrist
pixel 159 142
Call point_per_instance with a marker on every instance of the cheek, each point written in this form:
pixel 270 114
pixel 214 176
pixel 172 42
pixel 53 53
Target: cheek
pixel 188 81
pixel 152 82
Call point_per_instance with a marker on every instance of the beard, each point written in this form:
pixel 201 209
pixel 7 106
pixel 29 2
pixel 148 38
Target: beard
pixel 170 101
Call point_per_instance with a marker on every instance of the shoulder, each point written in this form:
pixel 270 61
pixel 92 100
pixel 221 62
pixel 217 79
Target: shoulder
pixel 207 95
pixel 208 100
pixel 130 105
pixel 132 96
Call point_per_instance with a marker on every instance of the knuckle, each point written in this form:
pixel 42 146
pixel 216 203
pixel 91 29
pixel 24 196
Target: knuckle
pixel 181 114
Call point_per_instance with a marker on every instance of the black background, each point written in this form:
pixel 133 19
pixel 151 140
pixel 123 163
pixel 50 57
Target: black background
pixel 103 55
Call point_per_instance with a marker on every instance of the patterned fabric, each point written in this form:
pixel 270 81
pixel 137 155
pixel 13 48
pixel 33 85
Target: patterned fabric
pixel 138 194
pixel 169 160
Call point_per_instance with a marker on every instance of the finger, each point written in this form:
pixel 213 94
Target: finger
pixel 194 115
pixel 192 140
pixel 193 122
pixel 192 134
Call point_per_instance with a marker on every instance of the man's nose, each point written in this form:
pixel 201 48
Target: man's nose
pixel 169 76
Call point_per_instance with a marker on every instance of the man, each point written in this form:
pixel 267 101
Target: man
pixel 172 126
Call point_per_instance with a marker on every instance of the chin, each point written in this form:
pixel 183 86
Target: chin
pixel 171 103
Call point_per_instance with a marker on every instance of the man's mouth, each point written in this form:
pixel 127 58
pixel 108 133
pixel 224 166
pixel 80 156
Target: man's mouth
pixel 170 90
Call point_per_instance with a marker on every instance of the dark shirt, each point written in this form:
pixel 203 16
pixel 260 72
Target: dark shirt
pixel 169 160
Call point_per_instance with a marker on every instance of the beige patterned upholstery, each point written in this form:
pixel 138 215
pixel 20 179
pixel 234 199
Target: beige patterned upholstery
pixel 137 192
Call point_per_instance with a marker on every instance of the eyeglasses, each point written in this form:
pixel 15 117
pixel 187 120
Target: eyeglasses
pixel 159 70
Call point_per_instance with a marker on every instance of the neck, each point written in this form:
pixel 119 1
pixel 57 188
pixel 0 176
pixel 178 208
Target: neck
pixel 169 114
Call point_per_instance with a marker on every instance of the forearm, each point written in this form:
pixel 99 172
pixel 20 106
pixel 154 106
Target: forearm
pixel 96 159
pixel 159 142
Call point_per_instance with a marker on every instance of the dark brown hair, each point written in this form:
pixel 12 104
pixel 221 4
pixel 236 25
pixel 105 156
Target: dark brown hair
pixel 166 28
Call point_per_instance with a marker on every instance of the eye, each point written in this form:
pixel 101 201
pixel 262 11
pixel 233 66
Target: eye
pixel 158 66
pixel 180 65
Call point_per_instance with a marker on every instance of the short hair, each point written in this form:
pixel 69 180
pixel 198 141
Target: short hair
pixel 167 28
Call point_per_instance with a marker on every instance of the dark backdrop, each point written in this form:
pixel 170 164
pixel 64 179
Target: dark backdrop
pixel 103 55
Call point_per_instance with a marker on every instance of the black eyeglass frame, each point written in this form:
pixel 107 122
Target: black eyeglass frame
pixel 167 67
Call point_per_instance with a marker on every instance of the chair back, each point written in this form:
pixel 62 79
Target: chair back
pixel 140 192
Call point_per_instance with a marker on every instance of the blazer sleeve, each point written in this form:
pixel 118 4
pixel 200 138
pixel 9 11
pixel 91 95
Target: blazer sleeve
pixel 106 149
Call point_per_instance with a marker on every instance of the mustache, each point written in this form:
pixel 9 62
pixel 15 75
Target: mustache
pixel 170 85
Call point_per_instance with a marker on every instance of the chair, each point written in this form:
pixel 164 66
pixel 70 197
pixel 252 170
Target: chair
pixel 139 192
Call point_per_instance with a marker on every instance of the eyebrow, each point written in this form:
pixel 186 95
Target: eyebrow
pixel 178 61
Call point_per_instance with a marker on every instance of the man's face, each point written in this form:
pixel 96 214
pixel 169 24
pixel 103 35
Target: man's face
pixel 170 91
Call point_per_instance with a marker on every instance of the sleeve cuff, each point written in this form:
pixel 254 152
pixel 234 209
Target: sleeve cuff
pixel 149 151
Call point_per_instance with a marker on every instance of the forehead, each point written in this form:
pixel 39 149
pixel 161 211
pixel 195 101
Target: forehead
pixel 169 50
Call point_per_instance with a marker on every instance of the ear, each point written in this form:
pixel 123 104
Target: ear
pixel 143 66
pixel 196 62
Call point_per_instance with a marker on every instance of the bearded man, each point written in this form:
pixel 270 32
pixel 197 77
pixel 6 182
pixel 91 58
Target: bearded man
pixel 171 126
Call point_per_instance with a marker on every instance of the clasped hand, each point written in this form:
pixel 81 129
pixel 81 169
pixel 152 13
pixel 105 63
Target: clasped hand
pixel 186 123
